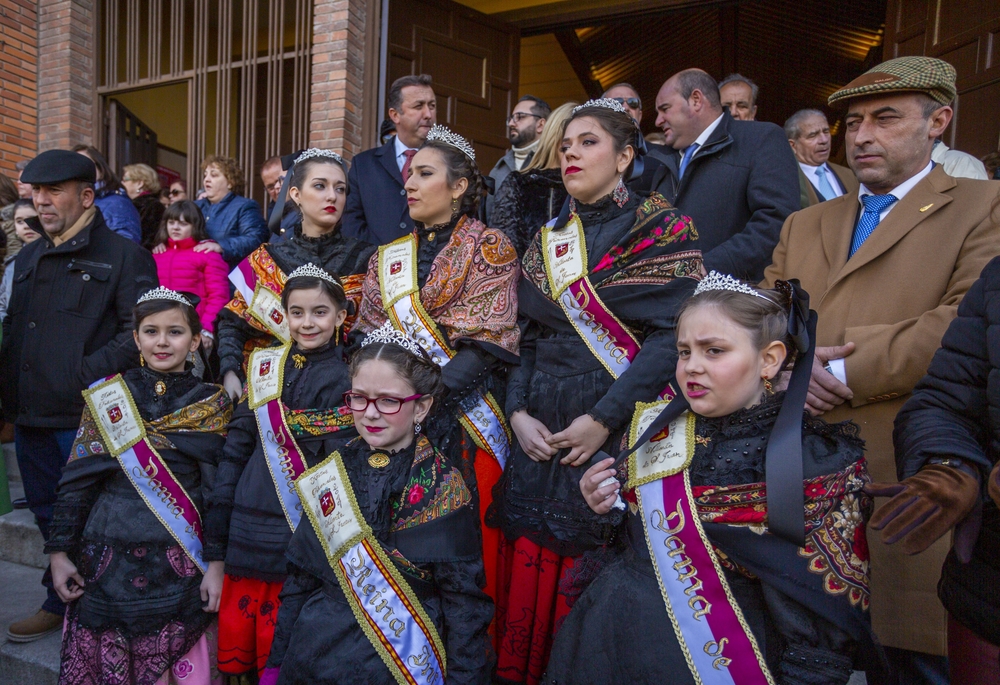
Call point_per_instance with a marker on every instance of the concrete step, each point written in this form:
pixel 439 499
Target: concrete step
pixel 20 540
pixel 34 663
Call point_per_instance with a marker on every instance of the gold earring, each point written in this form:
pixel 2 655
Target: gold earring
pixel 336 335
pixel 142 362
pixel 454 204
pixel 768 388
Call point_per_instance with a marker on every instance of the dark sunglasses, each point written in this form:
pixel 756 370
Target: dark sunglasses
pixel 630 102
pixel 176 192
pixel 385 405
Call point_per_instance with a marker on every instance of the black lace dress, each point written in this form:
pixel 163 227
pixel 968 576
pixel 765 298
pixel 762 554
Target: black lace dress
pixel 334 252
pixel 141 609
pixel 318 640
pixel 525 202
pixel 809 616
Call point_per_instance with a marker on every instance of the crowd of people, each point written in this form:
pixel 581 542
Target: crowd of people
pixel 616 411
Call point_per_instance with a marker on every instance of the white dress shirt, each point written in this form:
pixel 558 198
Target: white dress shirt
pixel 831 177
pixel 400 157
pixel 700 140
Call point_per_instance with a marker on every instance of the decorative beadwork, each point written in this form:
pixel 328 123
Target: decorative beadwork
pixel 717 281
pixel 443 134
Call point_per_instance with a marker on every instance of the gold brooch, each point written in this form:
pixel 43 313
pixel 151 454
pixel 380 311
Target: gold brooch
pixel 431 236
pixel 160 388
pixel 378 460
pixel 702 440
pixel 299 360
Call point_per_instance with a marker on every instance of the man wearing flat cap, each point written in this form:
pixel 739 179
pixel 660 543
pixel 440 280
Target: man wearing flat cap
pixel 68 324
pixel 886 268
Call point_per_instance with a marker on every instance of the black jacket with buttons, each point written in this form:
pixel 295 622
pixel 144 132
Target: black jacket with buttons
pixel 69 322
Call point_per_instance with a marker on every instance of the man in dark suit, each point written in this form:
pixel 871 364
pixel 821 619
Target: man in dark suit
pixel 736 179
pixel 820 180
pixel 376 210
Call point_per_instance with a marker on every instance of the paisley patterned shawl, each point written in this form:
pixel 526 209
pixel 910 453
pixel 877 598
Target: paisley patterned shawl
pixel 435 488
pixel 660 247
pixel 830 573
pixel 471 291
pixel 206 417
pixel 303 422
pixel 273 278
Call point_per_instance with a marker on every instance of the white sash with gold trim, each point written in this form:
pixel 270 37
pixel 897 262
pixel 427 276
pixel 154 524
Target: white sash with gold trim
pixel 124 433
pixel 714 636
pixel 565 255
pixel 265 378
pixel 397 264
pixel 386 608
pixel 262 303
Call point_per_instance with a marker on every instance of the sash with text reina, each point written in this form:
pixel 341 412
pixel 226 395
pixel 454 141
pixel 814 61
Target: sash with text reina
pixel 383 603
pixel 124 434
pixel 397 263
pixel 714 636
pixel 262 303
pixel 265 378
pixel 565 255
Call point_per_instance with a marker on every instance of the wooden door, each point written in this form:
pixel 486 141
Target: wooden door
pixel 965 33
pixel 129 140
pixel 473 60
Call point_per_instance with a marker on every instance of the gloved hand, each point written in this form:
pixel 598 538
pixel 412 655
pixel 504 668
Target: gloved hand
pixel 994 484
pixel 925 506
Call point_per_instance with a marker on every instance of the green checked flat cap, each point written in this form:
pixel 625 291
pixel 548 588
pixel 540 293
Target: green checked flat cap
pixel 914 74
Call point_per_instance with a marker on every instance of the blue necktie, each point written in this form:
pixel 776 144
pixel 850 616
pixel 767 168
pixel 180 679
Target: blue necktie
pixel 825 189
pixel 688 154
pixel 874 206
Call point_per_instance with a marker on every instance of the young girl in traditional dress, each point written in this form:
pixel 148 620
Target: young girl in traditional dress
pixel 125 543
pixel 253 318
pixel 716 585
pixel 452 287
pixel 289 420
pixel 386 572
pixel 600 288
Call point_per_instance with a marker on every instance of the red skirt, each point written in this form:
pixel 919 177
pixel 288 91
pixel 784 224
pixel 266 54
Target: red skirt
pixel 488 472
pixel 530 608
pixel 248 614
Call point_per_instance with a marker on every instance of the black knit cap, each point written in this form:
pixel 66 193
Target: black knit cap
pixel 56 166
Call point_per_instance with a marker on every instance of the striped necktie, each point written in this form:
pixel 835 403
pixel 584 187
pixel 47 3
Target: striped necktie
pixel 874 206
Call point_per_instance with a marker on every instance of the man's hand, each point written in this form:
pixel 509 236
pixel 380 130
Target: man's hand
pixel 825 391
pixel 582 438
pixel 208 246
pixel 924 506
pixel 532 435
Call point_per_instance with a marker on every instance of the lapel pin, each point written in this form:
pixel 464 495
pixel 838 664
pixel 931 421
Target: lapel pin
pixel 926 207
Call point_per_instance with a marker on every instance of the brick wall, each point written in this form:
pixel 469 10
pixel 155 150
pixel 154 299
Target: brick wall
pixel 337 75
pixel 67 70
pixel 18 83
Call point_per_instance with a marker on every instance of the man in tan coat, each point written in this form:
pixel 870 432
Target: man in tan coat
pixel 886 268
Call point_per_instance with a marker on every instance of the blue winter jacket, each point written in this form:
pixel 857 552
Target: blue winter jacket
pixel 236 223
pixel 120 214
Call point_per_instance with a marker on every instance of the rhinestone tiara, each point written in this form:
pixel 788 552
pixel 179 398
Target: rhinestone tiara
pixel 717 281
pixel 443 134
pixel 162 293
pixel 388 335
pixel 606 103
pixel 311 270
pixel 319 152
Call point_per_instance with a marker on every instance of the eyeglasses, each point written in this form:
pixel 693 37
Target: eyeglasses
pixel 385 405
pixel 276 184
pixel 176 192
pixel 518 116
pixel 630 102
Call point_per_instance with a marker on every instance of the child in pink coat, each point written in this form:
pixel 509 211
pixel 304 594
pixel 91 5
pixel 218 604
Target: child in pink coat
pixel 187 261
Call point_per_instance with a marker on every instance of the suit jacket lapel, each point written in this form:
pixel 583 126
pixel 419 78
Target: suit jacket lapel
pixel 387 156
pixel 928 196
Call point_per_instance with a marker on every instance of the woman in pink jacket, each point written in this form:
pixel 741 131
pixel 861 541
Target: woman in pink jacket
pixel 186 260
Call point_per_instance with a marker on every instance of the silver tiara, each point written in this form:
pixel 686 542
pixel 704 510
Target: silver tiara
pixel 444 135
pixel 717 281
pixel 313 271
pixel 319 152
pixel 162 293
pixel 390 336
pixel 606 103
